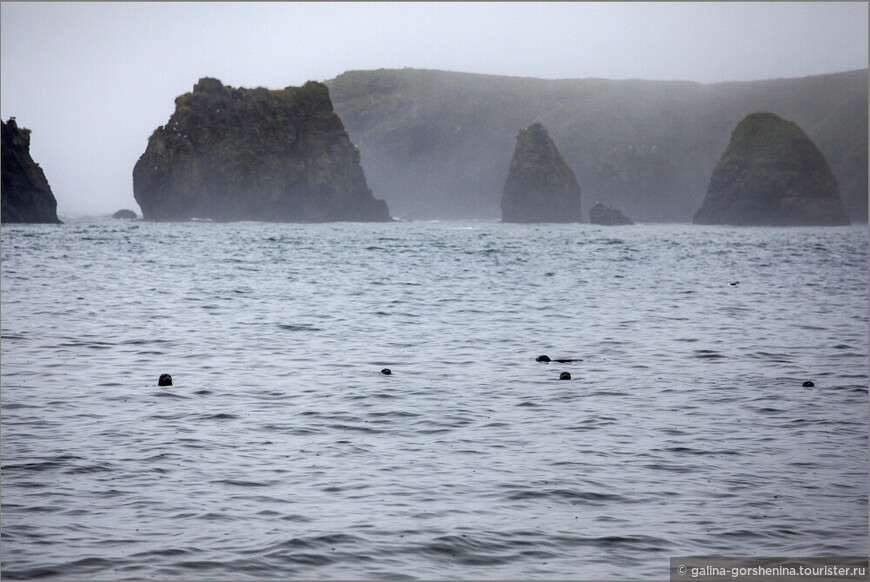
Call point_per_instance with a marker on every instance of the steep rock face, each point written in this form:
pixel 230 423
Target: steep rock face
pixel 26 195
pixel 540 186
pixel 606 216
pixel 771 174
pixel 254 154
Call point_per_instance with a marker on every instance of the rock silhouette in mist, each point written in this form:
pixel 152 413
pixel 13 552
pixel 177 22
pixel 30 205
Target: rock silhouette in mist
pixel 254 154
pixel 607 216
pixel 126 214
pixel 540 186
pixel 771 174
pixel 26 195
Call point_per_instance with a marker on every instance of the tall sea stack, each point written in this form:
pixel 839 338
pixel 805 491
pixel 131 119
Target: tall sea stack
pixel 771 174
pixel 26 195
pixel 540 186
pixel 254 154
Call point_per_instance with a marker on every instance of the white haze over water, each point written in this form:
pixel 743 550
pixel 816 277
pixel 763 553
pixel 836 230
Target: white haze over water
pixel 93 80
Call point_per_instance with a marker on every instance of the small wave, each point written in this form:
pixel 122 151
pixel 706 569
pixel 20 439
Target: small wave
pixel 219 416
pixel 299 327
pixel 87 469
pixel 708 355
pixel 164 393
pixel 241 483
pixel 570 495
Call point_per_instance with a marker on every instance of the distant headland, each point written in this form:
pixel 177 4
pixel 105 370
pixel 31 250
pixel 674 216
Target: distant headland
pixel 438 144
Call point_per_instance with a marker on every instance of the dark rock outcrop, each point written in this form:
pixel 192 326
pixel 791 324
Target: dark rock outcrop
pixel 607 216
pixel 540 186
pixel 26 195
pixel 254 154
pixel 126 214
pixel 771 174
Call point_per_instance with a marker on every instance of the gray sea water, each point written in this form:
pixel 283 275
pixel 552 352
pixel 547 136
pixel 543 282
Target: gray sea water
pixel 281 451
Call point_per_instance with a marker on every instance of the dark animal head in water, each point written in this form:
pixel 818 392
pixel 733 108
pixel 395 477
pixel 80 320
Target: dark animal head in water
pixel 386 372
pixel 564 376
pixel 542 359
pixel 165 380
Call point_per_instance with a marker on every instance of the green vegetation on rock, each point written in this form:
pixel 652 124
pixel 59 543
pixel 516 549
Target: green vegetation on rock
pixel 540 186
pixel 26 195
pixel 254 154
pixel 771 174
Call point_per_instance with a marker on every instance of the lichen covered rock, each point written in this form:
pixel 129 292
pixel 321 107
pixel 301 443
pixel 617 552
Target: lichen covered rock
pixel 771 174
pixel 607 216
pixel 26 195
pixel 254 154
pixel 540 186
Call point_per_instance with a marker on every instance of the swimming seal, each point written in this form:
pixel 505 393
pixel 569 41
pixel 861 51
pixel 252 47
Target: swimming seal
pixel 386 372
pixel 559 361
pixel 808 384
pixel 564 376
pixel 165 380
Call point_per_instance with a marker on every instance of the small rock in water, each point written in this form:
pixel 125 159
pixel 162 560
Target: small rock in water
pixel 386 372
pixel 165 380
pixel 564 376
pixel 542 359
pixel 808 384
pixel 126 214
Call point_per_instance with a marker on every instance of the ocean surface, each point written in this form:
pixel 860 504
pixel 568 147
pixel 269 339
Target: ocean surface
pixel 281 451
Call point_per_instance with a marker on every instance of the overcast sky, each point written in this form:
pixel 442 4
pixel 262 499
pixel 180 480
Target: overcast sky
pixel 94 80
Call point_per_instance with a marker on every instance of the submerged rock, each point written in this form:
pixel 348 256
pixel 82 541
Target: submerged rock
pixel 771 174
pixel 126 214
pixel 26 195
pixel 540 186
pixel 254 154
pixel 607 216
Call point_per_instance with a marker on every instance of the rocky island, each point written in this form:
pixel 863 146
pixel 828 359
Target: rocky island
pixel 254 154
pixel 540 186
pixel 771 174
pixel 604 215
pixel 26 195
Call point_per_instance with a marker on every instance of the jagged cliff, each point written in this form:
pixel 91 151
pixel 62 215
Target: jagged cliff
pixel 434 143
pixel 26 195
pixel 540 186
pixel 771 174
pixel 254 154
